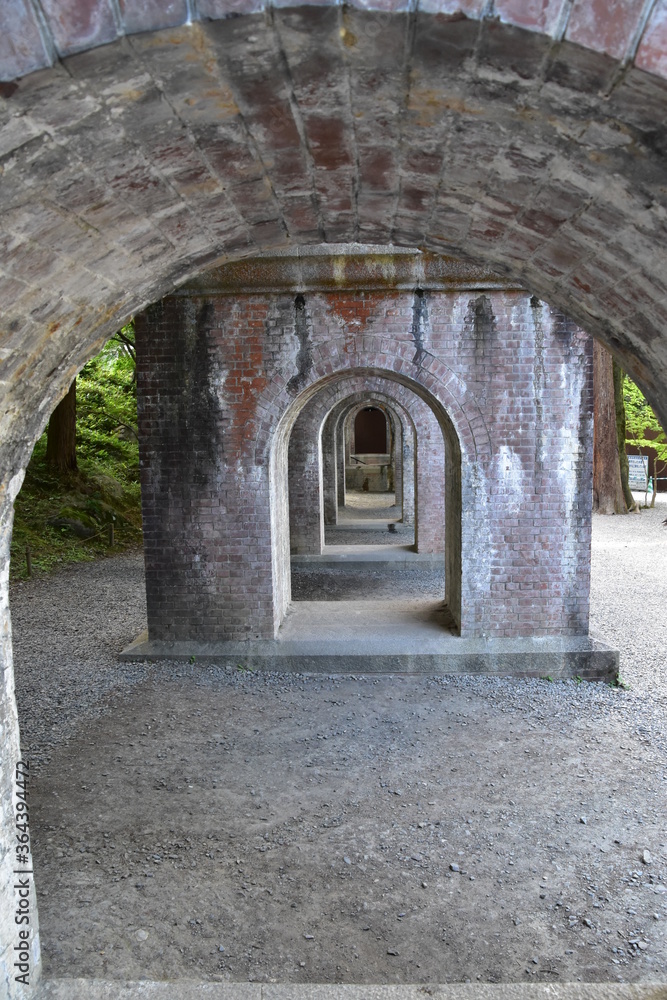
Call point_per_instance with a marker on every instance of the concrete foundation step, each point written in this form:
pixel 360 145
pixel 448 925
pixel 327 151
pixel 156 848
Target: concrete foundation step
pixel 97 989
pixel 391 637
pixel 385 557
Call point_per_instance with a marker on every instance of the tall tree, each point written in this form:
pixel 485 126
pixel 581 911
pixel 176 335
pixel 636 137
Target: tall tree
pixel 607 489
pixel 61 434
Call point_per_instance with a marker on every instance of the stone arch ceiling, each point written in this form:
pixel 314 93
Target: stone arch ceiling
pixel 136 149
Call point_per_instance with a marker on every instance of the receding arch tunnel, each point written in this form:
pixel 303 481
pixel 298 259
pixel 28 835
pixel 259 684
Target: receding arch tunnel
pixel 137 150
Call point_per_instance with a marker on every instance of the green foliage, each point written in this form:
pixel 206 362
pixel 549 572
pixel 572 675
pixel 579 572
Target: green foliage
pixel 640 418
pixel 643 428
pixel 105 486
pixel 107 407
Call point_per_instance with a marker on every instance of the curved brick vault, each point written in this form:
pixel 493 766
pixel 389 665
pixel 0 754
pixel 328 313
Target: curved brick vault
pixel 534 144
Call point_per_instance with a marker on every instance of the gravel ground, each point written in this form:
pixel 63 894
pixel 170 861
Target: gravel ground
pixel 68 627
pixel 408 829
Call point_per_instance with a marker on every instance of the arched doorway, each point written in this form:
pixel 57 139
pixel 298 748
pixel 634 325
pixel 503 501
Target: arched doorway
pixel 371 432
pixel 320 400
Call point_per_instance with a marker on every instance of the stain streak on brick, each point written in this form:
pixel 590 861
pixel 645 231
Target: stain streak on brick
pixel 419 322
pixel 304 359
pixel 539 382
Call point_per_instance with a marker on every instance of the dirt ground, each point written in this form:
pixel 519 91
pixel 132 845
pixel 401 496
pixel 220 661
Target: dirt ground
pixel 224 825
pixel 387 830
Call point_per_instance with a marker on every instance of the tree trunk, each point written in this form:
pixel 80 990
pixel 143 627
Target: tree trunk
pixel 607 489
pixel 620 436
pixel 61 434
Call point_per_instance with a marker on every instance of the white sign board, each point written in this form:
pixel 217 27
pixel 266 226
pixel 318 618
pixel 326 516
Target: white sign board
pixel 638 469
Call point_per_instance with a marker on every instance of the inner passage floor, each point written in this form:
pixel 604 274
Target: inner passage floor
pixel 194 821
pixel 333 602
pixel 367 621
pixel 369 519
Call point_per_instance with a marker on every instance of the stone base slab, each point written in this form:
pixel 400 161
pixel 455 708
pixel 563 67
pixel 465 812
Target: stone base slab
pixel 369 556
pixel 558 659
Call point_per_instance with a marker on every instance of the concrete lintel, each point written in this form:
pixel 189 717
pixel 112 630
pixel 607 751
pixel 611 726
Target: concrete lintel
pixel 557 658
pixel 352 267
pixel 96 989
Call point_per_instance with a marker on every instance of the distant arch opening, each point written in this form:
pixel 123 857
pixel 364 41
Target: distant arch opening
pixel 370 432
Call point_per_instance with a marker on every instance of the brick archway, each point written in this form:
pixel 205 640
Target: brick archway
pixel 396 431
pixel 336 403
pixel 329 389
pixel 435 383
pixel 317 457
pixel 424 482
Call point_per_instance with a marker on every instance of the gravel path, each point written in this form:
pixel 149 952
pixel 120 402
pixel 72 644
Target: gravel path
pixel 69 627
pixel 67 631
pixel 365 829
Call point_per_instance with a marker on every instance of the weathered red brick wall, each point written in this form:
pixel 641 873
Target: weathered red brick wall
pixel 205 501
pixel 222 379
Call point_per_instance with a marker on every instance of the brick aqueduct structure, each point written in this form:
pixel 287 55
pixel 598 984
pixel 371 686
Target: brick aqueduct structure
pixel 230 375
pixel 142 143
